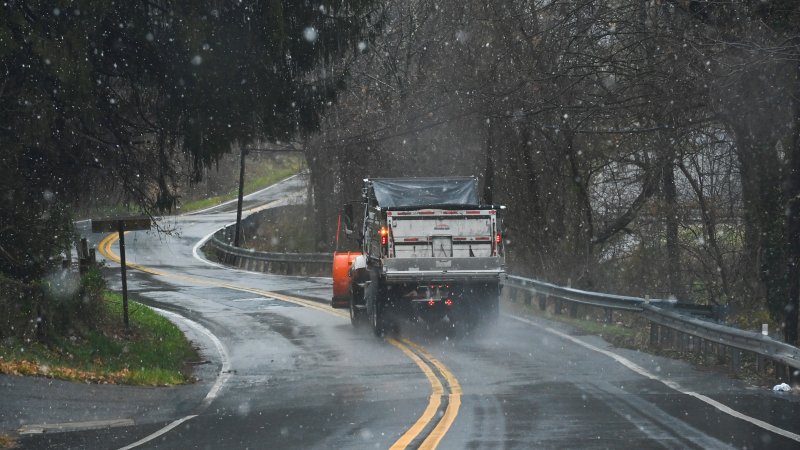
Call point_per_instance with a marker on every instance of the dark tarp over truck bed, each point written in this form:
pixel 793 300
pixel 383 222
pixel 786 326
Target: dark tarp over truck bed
pixel 411 192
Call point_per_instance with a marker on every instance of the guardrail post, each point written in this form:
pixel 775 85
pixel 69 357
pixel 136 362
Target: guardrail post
pixel 736 357
pixel 527 298
pixel 542 302
pixel 510 292
pixel 609 318
pixel 573 310
pixel 557 306
pixel 794 376
pixel 781 370
pixel 702 347
pixel 654 340
pixel 83 257
pixel 759 363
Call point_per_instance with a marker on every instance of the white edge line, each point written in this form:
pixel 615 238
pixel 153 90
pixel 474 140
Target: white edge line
pixel 74 426
pixel 201 242
pixel 222 378
pixel 671 384
pixel 158 433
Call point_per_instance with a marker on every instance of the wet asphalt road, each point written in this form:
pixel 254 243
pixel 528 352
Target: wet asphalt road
pixel 304 378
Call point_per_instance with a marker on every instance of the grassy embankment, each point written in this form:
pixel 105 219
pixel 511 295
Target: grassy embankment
pixel 620 333
pixel 152 352
pixel 258 177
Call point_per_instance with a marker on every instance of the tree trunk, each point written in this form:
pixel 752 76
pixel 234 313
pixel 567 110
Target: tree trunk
pixel 674 282
pixel 488 174
pixel 793 222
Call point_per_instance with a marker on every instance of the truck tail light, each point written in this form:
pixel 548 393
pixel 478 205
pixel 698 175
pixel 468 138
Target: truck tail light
pixel 498 238
pixel 384 236
pixel 431 302
pixel 449 302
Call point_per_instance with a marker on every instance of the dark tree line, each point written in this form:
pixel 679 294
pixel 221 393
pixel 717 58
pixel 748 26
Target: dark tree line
pixel 132 95
pixel 649 147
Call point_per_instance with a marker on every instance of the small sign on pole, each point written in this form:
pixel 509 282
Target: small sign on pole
pixel 121 225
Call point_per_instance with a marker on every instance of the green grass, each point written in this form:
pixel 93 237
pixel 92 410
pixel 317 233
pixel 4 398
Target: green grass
pixel 615 333
pixel 285 230
pixel 152 352
pixel 269 175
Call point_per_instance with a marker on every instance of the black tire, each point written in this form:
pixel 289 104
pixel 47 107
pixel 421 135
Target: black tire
pixel 375 306
pixel 378 320
pixel 358 316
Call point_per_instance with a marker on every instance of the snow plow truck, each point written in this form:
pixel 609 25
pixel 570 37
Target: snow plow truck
pixel 420 249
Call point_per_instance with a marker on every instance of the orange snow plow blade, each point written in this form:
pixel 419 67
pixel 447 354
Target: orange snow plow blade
pixel 341 278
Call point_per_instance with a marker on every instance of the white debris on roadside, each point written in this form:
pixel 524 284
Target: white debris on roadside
pixel 783 387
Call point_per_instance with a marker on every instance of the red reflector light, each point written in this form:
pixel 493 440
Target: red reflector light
pixel 449 302
pixel 498 238
pixel 431 302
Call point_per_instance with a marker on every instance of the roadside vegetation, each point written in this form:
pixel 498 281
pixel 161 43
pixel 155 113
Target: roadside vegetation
pixel 7 441
pixel 80 337
pixel 287 229
pixel 221 184
pixel 621 333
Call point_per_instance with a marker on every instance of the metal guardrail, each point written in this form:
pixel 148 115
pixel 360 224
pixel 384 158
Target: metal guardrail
pixel 674 316
pixel 600 300
pixel 603 300
pixel 748 341
pixel 272 256
pixel 282 263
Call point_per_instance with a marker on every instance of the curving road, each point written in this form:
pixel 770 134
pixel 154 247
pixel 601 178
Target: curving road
pixel 285 371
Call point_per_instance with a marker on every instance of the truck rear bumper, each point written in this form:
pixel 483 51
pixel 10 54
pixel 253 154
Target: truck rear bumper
pixel 480 269
pixel 472 276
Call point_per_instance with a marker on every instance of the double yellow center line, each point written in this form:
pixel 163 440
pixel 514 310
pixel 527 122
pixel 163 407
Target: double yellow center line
pixel 443 383
pixel 433 370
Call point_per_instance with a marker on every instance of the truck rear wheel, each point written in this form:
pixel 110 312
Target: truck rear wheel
pixel 358 314
pixel 376 307
pixel 378 319
pixel 358 308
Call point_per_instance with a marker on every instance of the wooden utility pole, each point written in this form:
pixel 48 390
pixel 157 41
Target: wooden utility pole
pixel 121 225
pixel 239 202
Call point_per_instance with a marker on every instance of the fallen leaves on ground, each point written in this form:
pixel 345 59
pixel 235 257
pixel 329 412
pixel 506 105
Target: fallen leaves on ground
pixel 28 368
pixel 7 441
